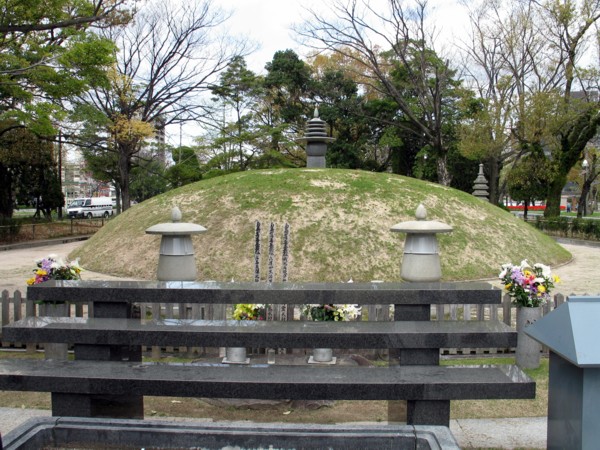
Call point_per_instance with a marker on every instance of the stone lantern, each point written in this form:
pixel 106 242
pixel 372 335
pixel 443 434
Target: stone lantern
pixel 176 261
pixel 316 140
pixel 421 259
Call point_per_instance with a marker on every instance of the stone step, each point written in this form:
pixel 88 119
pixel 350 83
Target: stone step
pixel 267 382
pixel 274 334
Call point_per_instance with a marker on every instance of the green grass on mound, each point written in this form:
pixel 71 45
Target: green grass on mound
pixel 339 228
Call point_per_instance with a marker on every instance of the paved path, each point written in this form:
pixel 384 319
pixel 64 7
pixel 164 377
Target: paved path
pixel 16 266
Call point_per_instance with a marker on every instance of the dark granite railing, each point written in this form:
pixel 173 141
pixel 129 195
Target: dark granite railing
pixel 269 293
pixel 15 307
pixel 107 378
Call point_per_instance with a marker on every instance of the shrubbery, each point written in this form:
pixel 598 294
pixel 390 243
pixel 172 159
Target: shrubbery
pixel 564 226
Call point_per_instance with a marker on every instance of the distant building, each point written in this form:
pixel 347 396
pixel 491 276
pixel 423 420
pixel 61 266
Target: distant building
pixel 78 182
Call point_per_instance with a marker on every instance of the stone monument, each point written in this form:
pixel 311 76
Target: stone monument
pixel 316 140
pixel 480 186
pixel 176 261
pixel 421 259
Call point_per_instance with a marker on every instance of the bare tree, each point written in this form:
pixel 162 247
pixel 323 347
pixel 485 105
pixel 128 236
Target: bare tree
pixel 168 58
pixel 533 50
pixel 358 31
pixel 496 64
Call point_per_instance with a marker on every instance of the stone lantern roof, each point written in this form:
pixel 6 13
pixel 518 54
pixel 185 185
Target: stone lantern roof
pixel 176 227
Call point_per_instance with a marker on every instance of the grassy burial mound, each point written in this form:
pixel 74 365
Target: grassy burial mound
pixel 339 228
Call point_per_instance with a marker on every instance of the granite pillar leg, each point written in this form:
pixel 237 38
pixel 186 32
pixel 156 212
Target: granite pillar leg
pixel 412 312
pixel 112 310
pixel 83 405
pixel 52 350
pixel 428 412
pixel 116 406
pixel 116 310
pixel 398 409
pixel 414 357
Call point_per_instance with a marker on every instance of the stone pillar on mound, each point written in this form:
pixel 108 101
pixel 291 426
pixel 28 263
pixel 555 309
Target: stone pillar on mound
pixel 176 261
pixel 480 186
pixel 421 259
pixel 316 140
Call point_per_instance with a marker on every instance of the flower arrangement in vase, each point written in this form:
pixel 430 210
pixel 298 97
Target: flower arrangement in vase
pixel 54 268
pixel 329 312
pixel 244 311
pixel 528 285
pixel 249 311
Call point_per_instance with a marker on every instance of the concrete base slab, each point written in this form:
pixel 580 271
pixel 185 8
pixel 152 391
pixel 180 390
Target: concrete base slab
pixel 512 433
pixel 126 434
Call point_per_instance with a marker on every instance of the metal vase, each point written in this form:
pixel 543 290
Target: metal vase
pixel 528 349
pixel 235 354
pixel 54 351
pixel 322 355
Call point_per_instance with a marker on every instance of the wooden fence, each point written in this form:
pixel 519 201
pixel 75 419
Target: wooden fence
pixel 17 306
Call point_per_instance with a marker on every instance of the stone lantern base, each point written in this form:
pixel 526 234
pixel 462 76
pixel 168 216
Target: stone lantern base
pixel 176 267
pixel 421 268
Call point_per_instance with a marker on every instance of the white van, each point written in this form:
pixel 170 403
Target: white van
pixel 90 207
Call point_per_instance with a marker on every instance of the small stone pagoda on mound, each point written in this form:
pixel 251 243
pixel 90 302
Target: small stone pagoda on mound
pixel 316 140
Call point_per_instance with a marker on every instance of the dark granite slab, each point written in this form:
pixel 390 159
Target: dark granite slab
pixel 292 334
pixel 269 293
pixel 268 382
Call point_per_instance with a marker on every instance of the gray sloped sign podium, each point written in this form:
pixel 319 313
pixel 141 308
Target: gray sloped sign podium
pixel 572 333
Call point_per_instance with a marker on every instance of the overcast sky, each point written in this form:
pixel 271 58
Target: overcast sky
pixel 268 24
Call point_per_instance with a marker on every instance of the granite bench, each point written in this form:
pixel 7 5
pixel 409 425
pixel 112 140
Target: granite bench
pixel 101 382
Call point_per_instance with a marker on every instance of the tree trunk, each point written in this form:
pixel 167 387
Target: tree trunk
pixel 444 176
pixel 493 180
pixel 553 199
pixel 585 190
pixel 572 147
pixel 118 197
pixel 124 175
pixel 6 198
